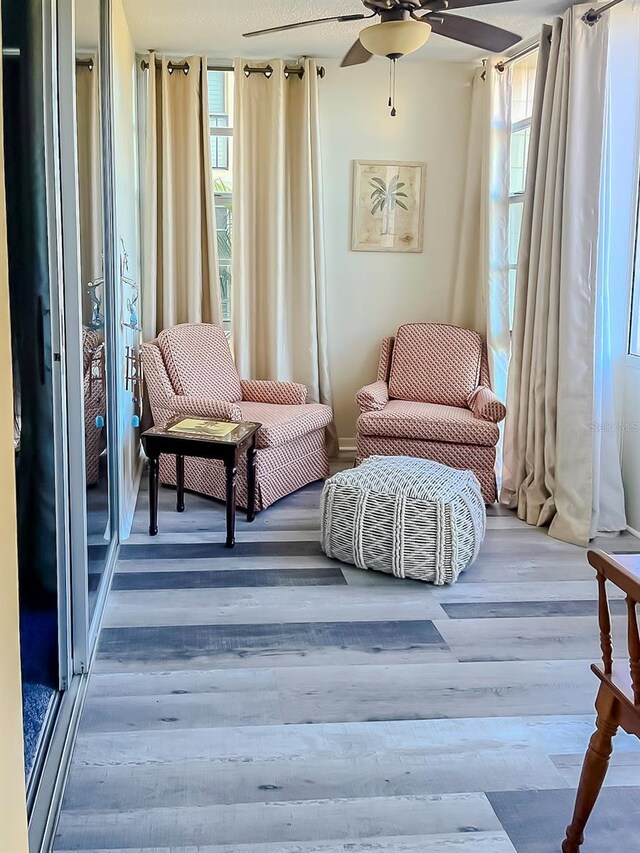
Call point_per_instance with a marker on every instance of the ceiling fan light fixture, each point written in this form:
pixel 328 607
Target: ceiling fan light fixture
pixel 395 38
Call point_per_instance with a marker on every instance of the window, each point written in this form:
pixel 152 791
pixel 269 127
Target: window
pixel 524 81
pixel 221 135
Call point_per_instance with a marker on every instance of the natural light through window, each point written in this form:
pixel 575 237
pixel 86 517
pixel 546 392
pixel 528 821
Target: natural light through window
pixel 221 130
pixel 524 80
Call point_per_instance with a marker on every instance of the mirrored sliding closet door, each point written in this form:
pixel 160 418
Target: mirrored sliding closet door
pixel 93 301
pixel 88 318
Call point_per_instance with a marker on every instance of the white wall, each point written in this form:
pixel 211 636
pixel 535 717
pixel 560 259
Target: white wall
pixel 370 293
pixel 127 224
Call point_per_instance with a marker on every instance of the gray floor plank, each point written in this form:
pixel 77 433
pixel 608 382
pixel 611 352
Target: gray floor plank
pixel 373 774
pixel 558 735
pixel 279 822
pixel 527 638
pixel 187 641
pixel 331 694
pixel 536 820
pixel 181 711
pixel 228 579
pixel 156 608
pixel 470 842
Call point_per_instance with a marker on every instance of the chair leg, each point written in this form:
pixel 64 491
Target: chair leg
pixel 594 770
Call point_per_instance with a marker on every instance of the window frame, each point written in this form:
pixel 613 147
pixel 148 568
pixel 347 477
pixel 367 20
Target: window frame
pixel 227 197
pixel 633 350
pixel 517 197
pixel 218 132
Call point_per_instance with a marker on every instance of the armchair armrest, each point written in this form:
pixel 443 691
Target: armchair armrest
pixel 204 408
pixel 373 398
pixel 267 391
pixel 486 406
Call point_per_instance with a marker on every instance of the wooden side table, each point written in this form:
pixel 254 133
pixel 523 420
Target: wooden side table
pixel 184 436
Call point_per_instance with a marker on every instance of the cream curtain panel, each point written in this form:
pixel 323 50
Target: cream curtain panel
pixel 180 257
pixel 89 180
pixel 549 436
pixel 480 298
pixel 279 288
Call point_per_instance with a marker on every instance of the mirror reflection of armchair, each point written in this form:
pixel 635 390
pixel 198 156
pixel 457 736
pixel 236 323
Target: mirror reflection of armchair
pixel 94 401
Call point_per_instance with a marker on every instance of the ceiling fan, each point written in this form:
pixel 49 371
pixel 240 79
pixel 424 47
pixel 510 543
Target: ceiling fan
pixel 414 30
pixel 405 27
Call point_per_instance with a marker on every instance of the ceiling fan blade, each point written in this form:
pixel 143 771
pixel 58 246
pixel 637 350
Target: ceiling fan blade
pixel 356 55
pixel 470 4
pixel 298 24
pixel 469 31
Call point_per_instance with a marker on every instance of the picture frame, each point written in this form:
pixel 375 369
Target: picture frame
pixel 388 206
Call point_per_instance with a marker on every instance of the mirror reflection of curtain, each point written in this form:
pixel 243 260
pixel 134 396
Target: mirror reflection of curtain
pixel 89 189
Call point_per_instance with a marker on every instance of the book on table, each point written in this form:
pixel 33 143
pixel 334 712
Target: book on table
pixel 204 427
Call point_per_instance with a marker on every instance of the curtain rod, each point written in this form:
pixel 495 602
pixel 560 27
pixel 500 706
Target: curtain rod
pixel 517 56
pixel 591 18
pixel 594 15
pixel 86 63
pixel 267 70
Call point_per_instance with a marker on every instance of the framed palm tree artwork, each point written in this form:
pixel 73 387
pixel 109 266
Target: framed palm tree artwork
pixel 388 206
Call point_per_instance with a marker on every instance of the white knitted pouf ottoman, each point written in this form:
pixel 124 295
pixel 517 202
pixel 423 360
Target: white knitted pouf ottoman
pixel 409 517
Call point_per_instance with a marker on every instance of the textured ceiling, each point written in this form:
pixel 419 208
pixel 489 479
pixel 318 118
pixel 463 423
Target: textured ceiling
pixel 215 27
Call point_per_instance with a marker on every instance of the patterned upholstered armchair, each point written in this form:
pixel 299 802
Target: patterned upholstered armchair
pixel 433 400
pixel 189 370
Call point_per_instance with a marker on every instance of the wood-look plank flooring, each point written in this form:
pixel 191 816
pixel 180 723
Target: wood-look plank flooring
pixel 270 700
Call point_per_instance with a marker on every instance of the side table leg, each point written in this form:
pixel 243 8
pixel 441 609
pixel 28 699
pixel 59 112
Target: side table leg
pixel 153 495
pixel 231 471
pixel 179 483
pixel 251 482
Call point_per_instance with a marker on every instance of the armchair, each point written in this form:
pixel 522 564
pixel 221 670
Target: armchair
pixel 189 370
pixel 433 400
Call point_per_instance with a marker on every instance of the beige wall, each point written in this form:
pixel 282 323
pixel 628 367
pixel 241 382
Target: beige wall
pixel 370 293
pixel 13 818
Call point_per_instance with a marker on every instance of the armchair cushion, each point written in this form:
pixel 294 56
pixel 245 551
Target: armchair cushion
pixel 428 422
pixel 199 363
pixel 204 408
pixel 435 363
pixel 485 405
pixel 266 391
pixel 373 398
pixel 282 424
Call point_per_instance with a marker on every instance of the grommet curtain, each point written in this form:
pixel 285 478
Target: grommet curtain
pixel 552 457
pixel 480 297
pixel 279 286
pixel 180 257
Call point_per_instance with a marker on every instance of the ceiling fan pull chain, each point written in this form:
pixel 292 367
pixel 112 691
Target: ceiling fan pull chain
pixel 393 90
pixel 390 84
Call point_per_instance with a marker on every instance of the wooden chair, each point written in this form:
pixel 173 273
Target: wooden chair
pixel 618 700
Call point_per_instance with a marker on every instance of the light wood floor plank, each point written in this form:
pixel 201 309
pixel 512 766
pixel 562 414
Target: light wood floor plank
pixel 279 822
